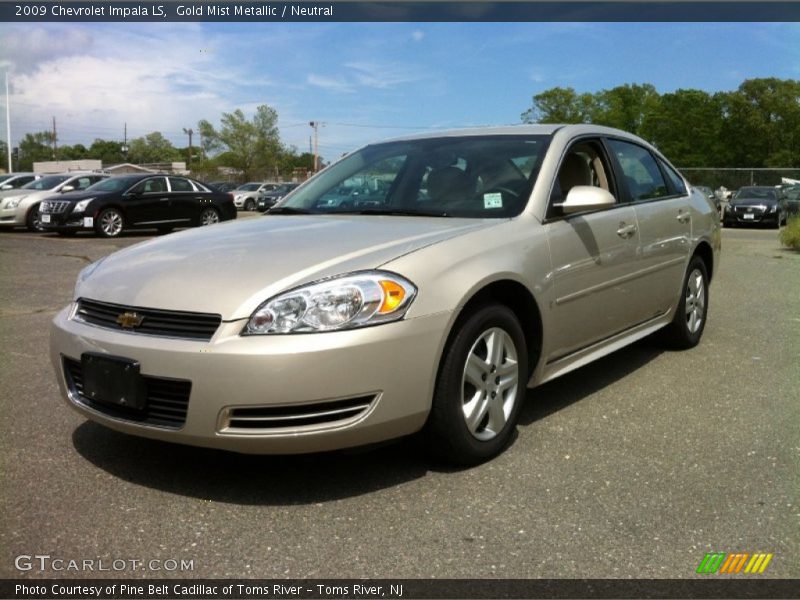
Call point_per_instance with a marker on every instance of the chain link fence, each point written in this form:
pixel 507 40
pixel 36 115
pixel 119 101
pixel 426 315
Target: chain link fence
pixel 733 179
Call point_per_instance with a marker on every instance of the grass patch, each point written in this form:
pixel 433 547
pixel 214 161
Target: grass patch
pixel 790 235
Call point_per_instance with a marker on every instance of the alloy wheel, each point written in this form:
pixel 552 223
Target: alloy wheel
pixel 695 301
pixel 490 384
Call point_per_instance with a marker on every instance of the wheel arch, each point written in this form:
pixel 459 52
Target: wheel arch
pixel 523 304
pixel 706 254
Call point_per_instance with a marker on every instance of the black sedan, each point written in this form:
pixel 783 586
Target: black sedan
pixel 160 202
pixel 267 199
pixel 756 204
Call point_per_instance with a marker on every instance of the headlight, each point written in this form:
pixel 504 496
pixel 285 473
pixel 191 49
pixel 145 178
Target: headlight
pixel 345 302
pixel 773 208
pixel 81 206
pixel 14 202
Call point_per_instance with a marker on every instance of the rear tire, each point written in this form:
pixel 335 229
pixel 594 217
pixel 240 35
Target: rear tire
pixel 209 216
pixel 689 321
pixel 480 388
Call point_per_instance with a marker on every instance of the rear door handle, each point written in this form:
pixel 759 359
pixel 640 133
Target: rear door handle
pixel 626 231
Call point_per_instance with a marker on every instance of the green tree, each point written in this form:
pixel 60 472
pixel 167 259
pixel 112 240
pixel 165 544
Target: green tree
pixel 686 125
pixel 252 146
pixel 3 156
pixel 624 106
pixel 35 147
pixel 109 152
pixel 560 105
pixel 762 125
pixel 152 148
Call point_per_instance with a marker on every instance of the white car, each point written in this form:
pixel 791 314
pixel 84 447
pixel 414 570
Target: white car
pixel 245 197
pixel 20 208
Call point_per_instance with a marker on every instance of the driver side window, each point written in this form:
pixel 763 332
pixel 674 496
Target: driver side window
pixel 584 164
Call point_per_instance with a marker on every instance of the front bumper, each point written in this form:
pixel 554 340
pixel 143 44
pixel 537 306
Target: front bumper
pixel 65 221
pixel 13 217
pixel 392 364
pixel 751 218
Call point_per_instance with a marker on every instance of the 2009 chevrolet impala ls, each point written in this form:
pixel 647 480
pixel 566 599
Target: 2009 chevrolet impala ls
pixel 420 284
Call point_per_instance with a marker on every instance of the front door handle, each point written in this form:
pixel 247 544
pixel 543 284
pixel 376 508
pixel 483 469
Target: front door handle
pixel 626 231
pixel 163 199
pixel 683 217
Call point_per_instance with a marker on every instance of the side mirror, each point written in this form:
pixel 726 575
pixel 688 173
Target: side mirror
pixel 586 197
pixel 67 188
pixel 7 186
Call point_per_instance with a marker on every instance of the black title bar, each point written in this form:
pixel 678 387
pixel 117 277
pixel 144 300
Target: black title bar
pixel 313 589
pixel 399 11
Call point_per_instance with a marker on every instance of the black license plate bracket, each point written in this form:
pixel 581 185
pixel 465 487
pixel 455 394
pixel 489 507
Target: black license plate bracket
pixel 113 380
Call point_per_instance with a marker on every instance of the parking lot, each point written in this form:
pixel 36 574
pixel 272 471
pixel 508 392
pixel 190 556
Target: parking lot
pixel 634 466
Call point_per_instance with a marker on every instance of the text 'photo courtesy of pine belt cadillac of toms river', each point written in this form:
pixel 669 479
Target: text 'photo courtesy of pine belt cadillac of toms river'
pixel 419 285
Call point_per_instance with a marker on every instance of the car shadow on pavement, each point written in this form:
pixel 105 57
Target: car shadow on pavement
pixel 222 476
pixel 310 478
pixel 559 393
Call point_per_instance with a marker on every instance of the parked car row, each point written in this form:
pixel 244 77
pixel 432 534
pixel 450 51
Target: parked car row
pixel 107 205
pixel 257 195
pixel 764 205
pixel 754 205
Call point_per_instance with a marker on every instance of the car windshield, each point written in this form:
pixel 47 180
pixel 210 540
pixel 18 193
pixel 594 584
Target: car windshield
pixel 46 183
pixel 249 187
pixel 112 184
pixel 470 176
pixel 765 193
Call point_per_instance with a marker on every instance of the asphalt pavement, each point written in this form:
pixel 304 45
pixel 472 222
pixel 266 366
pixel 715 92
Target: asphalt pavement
pixel 632 467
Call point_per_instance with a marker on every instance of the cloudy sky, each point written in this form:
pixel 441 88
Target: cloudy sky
pixel 365 81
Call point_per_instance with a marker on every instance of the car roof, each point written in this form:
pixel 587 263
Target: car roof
pixel 538 129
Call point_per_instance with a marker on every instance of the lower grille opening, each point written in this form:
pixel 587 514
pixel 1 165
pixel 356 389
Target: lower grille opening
pixel 290 417
pixel 166 406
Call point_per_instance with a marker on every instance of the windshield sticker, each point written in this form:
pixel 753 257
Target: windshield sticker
pixel 493 200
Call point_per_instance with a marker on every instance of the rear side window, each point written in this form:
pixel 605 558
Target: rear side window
pixel 675 180
pixel 642 176
pixel 180 185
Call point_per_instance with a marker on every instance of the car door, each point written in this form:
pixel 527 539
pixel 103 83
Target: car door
pixel 592 255
pixel 661 201
pixel 147 202
pixel 185 201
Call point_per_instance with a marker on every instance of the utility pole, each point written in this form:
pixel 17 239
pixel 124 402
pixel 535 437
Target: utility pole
pixel 316 125
pixel 124 147
pixel 55 140
pixel 8 127
pixel 190 133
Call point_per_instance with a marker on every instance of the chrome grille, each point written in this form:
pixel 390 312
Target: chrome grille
pixel 756 210
pixel 53 206
pixel 276 418
pixel 167 399
pixel 165 323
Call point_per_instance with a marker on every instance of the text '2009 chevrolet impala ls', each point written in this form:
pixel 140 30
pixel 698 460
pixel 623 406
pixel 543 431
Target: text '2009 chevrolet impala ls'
pixel 417 285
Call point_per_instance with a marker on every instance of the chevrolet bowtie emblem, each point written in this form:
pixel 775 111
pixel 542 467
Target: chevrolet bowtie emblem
pixel 129 320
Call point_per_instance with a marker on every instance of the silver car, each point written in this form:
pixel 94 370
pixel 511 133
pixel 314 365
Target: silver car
pixel 245 197
pixel 20 208
pixel 484 262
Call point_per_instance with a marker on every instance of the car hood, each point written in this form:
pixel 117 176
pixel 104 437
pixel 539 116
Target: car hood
pixel 753 202
pixel 77 196
pixel 231 268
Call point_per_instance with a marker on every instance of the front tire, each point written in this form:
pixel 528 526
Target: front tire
pixel 689 321
pixel 32 219
pixel 110 223
pixel 250 204
pixel 480 388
